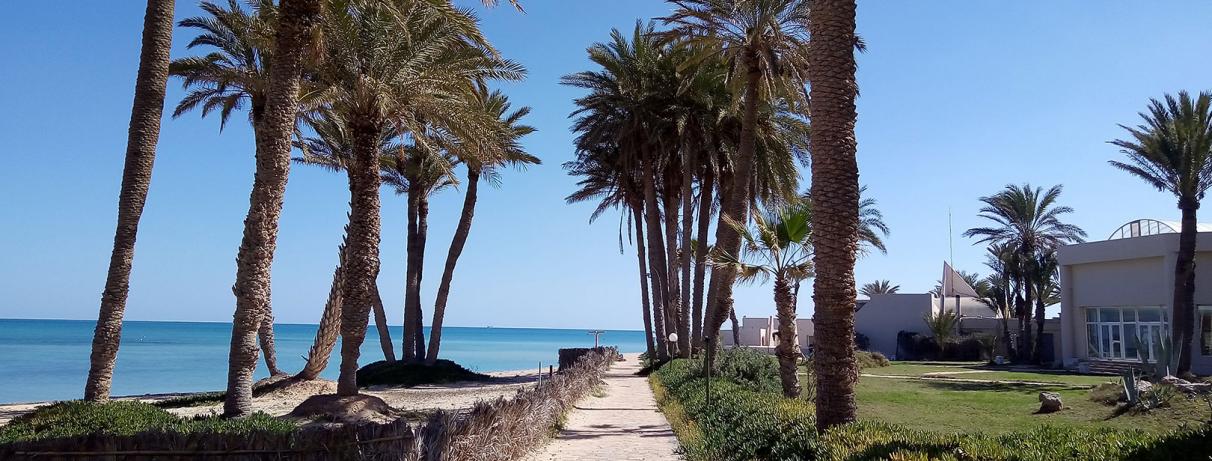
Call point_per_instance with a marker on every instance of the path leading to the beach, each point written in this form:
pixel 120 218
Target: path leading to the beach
pixel 622 424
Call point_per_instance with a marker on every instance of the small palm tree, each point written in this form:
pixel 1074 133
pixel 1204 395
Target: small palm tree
pixel 879 287
pixel 1003 283
pixel 1172 151
pixel 942 326
pixel 777 247
pixel 144 134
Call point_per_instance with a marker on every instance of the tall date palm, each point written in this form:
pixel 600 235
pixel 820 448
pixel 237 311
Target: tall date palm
pixel 297 21
pixel 835 193
pixel 1171 150
pixel 142 136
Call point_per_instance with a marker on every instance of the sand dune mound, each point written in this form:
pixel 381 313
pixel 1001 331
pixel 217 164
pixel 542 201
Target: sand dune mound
pixel 353 409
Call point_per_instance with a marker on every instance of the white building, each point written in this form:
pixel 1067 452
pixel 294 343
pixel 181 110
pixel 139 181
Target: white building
pixel 1117 295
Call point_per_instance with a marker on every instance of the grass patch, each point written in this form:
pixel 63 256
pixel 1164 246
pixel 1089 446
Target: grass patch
pixel 934 420
pixel 79 418
pixel 1003 407
pixel 409 374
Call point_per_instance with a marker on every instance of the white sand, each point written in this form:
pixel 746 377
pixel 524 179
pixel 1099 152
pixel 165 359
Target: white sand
pixel 452 396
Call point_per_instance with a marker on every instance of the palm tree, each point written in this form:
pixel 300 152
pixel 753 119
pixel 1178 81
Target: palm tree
pixel 1002 285
pixel 879 287
pixel 836 199
pixel 401 65
pixel 942 326
pixel 763 43
pixel 1028 219
pixel 297 20
pixel 1044 282
pixel 231 77
pixel 628 112
pixel 777 247
pixel 144 133
pixel 332 149
pixel 502 149
pixel 1172 151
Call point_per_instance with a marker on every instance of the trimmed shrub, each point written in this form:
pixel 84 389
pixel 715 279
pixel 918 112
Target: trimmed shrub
pixel 871 360
pixel 409 374
pixel 749 368
pixel 124 418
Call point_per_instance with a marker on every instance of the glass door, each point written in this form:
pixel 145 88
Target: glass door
pixel 1112 341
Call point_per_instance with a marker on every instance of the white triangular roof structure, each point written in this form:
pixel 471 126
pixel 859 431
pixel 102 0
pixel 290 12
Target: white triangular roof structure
pixel 955 285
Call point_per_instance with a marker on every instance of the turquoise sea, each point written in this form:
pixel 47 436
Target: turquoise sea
pixel 48 359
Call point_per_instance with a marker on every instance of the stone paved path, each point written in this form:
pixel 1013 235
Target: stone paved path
pixel 624 424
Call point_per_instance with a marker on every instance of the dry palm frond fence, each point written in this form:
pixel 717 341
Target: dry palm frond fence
pixel 500 429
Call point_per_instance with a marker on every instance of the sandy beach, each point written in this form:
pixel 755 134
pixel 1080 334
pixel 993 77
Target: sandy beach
pixel 420 399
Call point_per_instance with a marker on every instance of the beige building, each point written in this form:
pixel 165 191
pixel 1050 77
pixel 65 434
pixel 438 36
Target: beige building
pixel 1117 295
pixel 759 332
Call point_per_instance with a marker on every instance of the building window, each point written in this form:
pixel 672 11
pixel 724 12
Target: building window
pixel 1127 333
pixel 1205 330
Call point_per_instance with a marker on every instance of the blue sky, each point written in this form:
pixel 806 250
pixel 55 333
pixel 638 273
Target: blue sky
pixel 958 99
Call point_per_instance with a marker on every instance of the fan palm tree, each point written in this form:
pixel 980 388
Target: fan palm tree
pixel 231 77
pixel 836 199
pixel 1171 150
pixel 777 247
pixel 879 287
pixel 144 133
pixel 764 44
pixel 1030 220
pixel 293 37
pixel 502 149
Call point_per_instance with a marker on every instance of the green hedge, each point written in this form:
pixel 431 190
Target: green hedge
pixel 743 424
pixel 78 418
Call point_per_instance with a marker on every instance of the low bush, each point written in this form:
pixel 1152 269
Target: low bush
pixel 749 368
pixel 409 374
pixel 741 423
pixel 124 418
pixel 871 360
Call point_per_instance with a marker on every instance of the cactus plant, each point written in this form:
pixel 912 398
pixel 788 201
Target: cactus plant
pixel 1131 391
pixel 1167 356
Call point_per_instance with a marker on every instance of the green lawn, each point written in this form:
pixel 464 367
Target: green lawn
pixel 958 406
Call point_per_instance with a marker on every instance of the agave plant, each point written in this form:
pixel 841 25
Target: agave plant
pixel 1167 356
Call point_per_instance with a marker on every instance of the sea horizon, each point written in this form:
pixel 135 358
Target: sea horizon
pixel 48 359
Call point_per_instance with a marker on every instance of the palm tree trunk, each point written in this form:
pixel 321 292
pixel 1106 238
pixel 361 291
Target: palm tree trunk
pixel 266 337
pixel 418 317
pixel 1040 313
pixel 389 353
pixel 835 196
pixel 1028 348
pixel 362 261
pixel 736 206
pixel 676 314
pixel 656 264
pixel 637 220
pixel 700 260
pixel 141 138
pixel 786 350
pixel 1184 285
pixel 409 345
pixel 296 21
pixel 330 320
pixel 685 335
pixel 736 328
pixel 711 335
pixel 452 258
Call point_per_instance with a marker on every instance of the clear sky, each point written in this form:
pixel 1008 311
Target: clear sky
pixel 958 99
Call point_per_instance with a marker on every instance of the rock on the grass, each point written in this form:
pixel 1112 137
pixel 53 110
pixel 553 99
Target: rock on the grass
pixel 1049 402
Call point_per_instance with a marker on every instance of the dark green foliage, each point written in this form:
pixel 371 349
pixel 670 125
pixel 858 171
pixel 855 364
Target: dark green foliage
pixel 743 424
pixel 78 418
pixel 408 374
pixel 749 368
pixel 192 400
pixel 871 360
